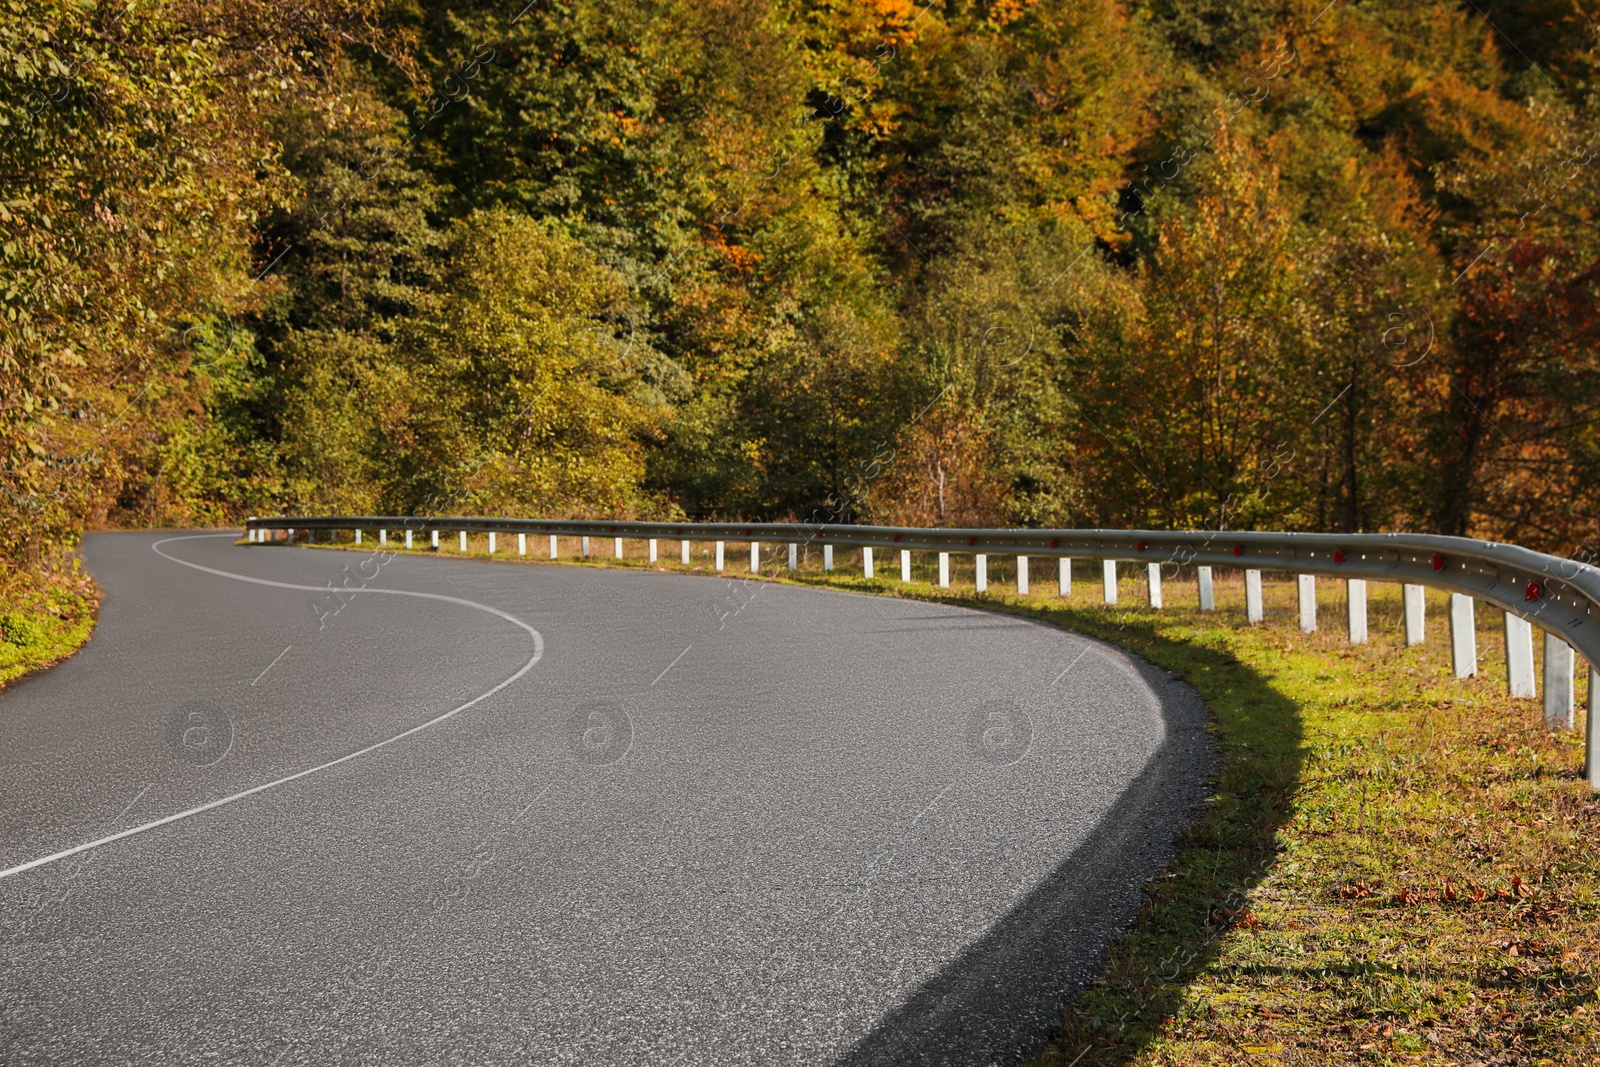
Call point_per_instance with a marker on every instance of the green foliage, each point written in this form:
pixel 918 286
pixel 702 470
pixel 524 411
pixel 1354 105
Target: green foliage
pixel 1022 262
pixel 521 391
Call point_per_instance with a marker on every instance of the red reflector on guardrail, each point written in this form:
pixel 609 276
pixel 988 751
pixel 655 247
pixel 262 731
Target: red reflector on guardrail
pixel 1438 563
pixel 1535 591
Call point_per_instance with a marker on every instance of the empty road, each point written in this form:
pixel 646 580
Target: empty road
pixel 486 813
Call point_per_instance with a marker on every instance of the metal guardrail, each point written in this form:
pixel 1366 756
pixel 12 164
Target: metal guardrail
pixel 1560 596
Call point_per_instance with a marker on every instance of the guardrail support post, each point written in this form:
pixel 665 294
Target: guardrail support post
pixel 983 572
pixel 358 537
pixel 1414 605
pixel 491 542
pixel 1558 671
pixel 1108 578
pixel 1022 575
pixel 827 557
pixel 1519 658
pixel 555 551
pixel 652 550
pixel 522 544
pixel 1208 589
pixel 685 553
pixel 1064 575
pixel 617 547
pixel 435 535
pixel 408 538
pixel 794 556
pixel 1308 602
pixel 866 561
pixel 1153 582
pixel 383 536
pixel 721 547
pixel 1253 611
pixel 1463 636
pixel 464 540
pixel 1355 603
pixel 1591 751
pixel 905 565
pixel 944 570
pixel 755 557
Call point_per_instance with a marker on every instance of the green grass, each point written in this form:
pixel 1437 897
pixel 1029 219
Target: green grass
pixel 1394 866
pixel 39 628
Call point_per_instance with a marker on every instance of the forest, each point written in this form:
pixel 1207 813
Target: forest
pixel 1171 264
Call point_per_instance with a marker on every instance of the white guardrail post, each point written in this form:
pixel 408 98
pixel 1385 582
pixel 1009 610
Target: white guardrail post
pixel 1558 683
pixel 1463 636
pixel 1519 658
pixel 1414 604
pixel 1591 751
pixel 1562 596
pixel 1355 600
pixel 1307 588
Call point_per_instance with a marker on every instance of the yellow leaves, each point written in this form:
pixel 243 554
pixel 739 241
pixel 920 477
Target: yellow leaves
pixel 1004 12
pixel 892 12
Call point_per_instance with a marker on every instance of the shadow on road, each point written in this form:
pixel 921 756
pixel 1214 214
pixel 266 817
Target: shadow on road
pixel 1022 986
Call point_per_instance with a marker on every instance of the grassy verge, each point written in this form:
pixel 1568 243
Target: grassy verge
pixel 39 628
pixel 1395 867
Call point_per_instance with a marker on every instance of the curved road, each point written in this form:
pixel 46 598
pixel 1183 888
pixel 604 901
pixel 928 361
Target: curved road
pixel 486 813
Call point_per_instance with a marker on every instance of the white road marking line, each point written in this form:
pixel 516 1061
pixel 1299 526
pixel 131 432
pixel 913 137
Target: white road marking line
pixel 673 664
pixel 271 665
pixel 538 653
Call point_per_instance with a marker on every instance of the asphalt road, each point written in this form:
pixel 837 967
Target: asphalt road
pixel 497 813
